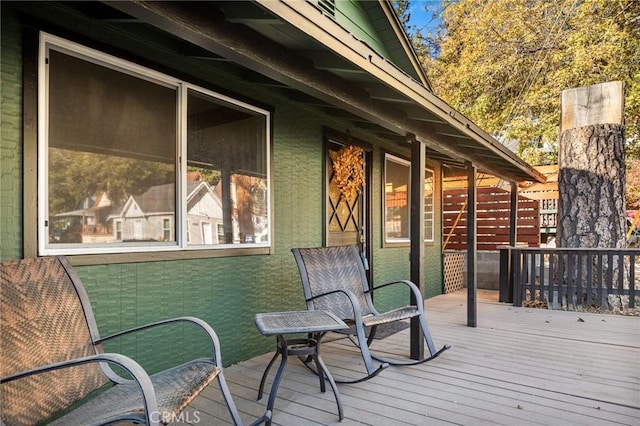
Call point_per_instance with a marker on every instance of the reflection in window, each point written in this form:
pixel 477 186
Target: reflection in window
pixel 397 174
pixel 111 141
pixel 428 205
pixel 227 184
pixel 396 197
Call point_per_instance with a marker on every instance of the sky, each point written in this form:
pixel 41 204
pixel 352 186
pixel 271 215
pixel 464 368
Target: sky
pixel 419 16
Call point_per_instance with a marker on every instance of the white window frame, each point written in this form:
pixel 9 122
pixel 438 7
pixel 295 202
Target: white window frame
pixel 168 228
pixel 407 240
pixel 49 41
pixel 117 228
pixel 431 238
pixel 401 161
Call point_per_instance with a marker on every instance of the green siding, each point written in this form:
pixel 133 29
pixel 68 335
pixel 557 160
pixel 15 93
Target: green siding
pixel 351 16
pixel 225 292
pixel 11 146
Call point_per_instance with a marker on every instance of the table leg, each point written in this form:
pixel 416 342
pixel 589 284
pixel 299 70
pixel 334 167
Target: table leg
pixel 299 347
pixel 323 371
pixel 266 373
pixel 282 351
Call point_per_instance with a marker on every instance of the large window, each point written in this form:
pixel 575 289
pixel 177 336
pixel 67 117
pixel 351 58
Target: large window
pixel 397 201
pixel 133 160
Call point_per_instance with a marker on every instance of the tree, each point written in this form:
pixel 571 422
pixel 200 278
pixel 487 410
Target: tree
pixel 422 43
pixel 504 63
pixel 591 210
pixel 632 193
pixel 75 176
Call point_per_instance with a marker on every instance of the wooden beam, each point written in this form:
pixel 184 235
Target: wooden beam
pixel 304 16
pixel 200 25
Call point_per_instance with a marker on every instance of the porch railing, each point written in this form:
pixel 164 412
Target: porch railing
pixel 564 278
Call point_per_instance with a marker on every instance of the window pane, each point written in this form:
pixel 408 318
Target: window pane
pixel 428 205
pixel 227 185
pixel 397 174
pixel 112 155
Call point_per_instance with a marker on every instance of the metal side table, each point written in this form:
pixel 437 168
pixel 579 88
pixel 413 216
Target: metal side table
pixel 317 323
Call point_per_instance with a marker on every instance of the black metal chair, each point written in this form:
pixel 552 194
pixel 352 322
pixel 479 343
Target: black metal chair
pixel 334 280
pixel 52 358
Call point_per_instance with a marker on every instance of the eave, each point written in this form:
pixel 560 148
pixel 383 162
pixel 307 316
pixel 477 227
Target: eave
pixel 300 51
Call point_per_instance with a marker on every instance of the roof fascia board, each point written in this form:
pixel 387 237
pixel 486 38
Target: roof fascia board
pixel 402 36
pixel 259 54
pixel 330 34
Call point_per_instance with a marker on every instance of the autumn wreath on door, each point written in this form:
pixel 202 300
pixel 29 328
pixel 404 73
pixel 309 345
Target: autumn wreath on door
pixel 348 170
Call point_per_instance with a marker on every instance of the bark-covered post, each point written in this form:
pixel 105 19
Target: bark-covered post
pixel 591 205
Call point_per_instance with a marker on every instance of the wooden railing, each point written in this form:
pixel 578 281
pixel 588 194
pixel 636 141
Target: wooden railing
pixel 562 278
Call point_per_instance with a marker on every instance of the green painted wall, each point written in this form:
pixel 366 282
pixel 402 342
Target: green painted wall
pixel 11 146
pixel 350 15
pixel 226 292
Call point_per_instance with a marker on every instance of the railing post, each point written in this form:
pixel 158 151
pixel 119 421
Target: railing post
pixel 632 279
pixel 516 276
pixel 506 284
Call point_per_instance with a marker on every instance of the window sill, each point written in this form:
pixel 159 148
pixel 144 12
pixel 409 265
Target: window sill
pixel 105 259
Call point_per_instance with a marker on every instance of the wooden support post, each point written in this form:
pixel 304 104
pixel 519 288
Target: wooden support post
pixel 472 308
pixel 506 284
pixel 513 217
pixel 418 165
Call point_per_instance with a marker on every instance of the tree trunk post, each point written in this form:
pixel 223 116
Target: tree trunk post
pixel 591 159
pixel 591 209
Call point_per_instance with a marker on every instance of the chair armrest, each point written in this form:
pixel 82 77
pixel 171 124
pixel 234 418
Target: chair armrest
pixel 208 330
pixel 412 287
pixel 129 365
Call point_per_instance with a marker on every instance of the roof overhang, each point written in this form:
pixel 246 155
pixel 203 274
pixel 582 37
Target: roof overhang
pixel 295 48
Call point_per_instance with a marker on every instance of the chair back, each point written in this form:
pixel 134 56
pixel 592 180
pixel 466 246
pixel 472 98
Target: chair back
pixel 325 269
pixel 43 321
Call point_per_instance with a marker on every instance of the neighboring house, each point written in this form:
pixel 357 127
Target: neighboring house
pixel 147 217
pixel 263 98
pixel 88 224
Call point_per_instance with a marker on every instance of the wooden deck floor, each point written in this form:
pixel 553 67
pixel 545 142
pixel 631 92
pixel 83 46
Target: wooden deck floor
pixel 520 366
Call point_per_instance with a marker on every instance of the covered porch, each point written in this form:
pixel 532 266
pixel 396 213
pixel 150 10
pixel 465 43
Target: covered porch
pixel 519 366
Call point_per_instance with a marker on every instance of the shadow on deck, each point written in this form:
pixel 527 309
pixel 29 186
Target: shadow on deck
pixel 520 366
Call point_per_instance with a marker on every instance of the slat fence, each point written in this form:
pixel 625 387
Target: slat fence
pixel 492 219
pixel 563 278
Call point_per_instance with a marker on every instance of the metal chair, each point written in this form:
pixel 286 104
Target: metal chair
pixel 334 280
pixel 52 358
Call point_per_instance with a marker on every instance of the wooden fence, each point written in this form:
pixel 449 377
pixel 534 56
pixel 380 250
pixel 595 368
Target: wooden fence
pixel 493 209
pixel 563 278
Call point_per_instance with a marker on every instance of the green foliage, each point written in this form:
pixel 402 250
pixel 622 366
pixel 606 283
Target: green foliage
pixel 212 177
pixel 504 64
pixel 75 176
pixel 632 187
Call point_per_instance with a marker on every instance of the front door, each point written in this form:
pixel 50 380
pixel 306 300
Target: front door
pixel 347 208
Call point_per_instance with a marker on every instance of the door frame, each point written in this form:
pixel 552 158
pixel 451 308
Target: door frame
pixel 333 137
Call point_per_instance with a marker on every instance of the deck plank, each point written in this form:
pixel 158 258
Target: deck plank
pixel 521 366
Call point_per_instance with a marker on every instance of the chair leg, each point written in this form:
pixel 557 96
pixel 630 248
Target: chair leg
pixel 233 410
pixel 433 352
pixel 231 406
pixel 366 357
pixel 427 335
